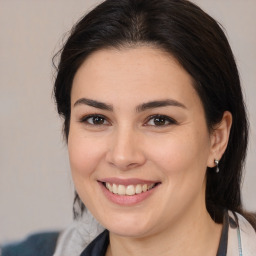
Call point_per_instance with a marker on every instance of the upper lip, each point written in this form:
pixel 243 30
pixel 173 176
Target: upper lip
pixel 126 182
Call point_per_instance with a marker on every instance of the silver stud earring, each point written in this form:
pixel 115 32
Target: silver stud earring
pixel 217 165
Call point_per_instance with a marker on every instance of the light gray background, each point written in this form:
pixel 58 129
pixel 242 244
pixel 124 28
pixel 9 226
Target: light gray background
pixel 36 190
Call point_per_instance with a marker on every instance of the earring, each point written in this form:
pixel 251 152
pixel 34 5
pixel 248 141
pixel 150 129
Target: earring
pixel 217 165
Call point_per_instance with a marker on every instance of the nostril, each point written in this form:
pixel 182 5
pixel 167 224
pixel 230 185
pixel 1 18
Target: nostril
pixel 124 162
pixel 132 165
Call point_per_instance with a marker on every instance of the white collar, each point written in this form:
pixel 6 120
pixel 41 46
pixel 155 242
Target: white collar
pixel 78 235
pixel 241 238
pixel 73 240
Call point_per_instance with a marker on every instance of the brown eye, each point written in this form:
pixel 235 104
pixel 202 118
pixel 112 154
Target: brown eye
pixel 98 120
pixel 160 120
pixel 95 120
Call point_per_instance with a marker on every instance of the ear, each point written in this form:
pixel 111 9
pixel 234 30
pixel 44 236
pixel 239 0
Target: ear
pixel 219 138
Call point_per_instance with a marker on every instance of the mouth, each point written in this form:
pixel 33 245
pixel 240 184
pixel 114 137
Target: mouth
pixel 129 190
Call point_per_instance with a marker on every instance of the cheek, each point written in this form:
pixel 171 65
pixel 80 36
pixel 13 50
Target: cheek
pixel 84 155
pixel 181 154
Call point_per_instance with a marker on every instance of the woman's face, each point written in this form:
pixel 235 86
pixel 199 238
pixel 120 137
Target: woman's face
pixel 138 142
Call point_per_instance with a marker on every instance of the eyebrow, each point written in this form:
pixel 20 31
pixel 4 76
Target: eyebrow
pixel 158 104
pixel 139 108
pixel 94 103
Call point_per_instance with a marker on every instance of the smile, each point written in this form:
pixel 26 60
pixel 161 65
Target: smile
pixel 129 190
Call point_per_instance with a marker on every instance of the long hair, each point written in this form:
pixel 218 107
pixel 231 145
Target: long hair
pixel 198 42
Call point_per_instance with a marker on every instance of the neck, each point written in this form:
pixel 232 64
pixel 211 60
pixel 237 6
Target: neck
pixel 194 235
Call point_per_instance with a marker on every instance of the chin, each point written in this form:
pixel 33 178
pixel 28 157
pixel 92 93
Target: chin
pixel 128 226
pixel 134 232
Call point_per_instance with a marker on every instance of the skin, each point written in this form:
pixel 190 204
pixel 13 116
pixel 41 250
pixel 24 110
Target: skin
pixel 130 143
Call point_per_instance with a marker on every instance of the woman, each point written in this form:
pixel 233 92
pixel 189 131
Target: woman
pixel 156 131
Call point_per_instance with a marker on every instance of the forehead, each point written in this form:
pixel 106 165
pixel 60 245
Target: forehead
pixel 142 73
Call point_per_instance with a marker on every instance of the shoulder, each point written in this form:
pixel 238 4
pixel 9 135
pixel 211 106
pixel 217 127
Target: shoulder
pixel 241 235
pixel 41 244
pixel 98 246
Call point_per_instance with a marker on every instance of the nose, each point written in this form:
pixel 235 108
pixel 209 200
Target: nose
pixel 125 150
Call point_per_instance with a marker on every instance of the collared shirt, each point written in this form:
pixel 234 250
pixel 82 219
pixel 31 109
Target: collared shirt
pixel 238 238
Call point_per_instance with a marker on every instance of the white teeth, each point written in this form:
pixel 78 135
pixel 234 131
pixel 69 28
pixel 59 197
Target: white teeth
pixel 138 189
pixel 121 190
pixel 114 188
pixel 109 187
pixel 129 190
pixel 151 186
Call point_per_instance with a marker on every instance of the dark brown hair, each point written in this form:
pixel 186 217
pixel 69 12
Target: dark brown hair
pixel 197 41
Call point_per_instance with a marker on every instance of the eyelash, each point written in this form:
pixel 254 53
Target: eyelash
pixel 94 116
pixel 161 118
pixel 164 118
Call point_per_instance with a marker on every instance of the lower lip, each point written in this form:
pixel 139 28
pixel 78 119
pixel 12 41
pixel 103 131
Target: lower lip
pixel 126 200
